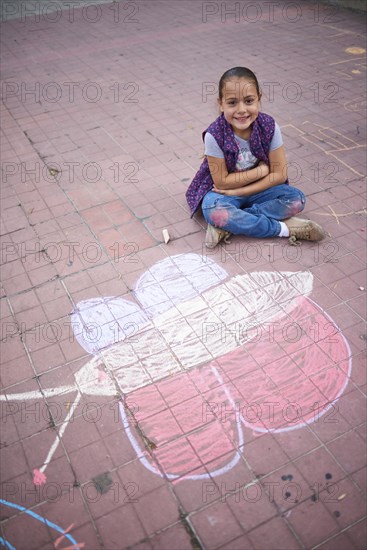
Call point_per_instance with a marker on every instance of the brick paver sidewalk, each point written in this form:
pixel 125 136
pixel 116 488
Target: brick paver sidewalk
pixel 155 395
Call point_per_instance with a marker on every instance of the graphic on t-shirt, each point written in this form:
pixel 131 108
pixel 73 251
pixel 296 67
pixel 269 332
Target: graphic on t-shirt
pixel 245 160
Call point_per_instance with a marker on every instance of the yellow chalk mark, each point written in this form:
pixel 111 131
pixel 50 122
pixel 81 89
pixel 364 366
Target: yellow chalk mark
pixel 356 71
pixel 337 216
pixel 336 138
pixel 344 75
pixel 361 174
pixel 346 61
pixel 304 135
pixel 355 105
pixel 355 51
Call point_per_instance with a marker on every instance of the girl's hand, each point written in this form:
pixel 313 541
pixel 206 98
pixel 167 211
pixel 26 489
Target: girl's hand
pixel 228 192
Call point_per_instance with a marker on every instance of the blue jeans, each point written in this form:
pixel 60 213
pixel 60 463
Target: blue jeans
pixel 254 216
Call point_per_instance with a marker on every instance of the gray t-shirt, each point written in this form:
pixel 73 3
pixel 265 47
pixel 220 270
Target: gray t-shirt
pixel 246 159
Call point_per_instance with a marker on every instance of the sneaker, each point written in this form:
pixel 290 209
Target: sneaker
pixel 214 236
pixel 304 230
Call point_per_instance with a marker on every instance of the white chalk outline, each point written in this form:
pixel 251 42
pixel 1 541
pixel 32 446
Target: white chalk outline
pixel 169 274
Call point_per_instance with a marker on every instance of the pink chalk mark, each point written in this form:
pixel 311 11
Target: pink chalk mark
pixel 58 540
pixel 219 217
pixel 74 546
pixel 302 384
pixel 101 376
pixel 39 478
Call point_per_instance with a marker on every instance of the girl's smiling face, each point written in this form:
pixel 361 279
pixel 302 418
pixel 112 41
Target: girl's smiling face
pixel 240 105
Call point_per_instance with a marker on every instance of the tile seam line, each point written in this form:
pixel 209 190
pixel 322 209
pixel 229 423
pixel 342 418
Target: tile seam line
pixel 343 530
pixel 70 199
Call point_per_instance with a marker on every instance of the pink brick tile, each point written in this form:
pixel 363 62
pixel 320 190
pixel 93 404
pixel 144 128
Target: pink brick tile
pixel 358 534
pixel 189 414
pixel 58 308
pixel 29 318
pixel 117 212
pixel 252 506
pixel 24 531
pixel 216 525
pixel 113 287
pixel 37 447
pixel 9 430
pixel 157 509
pixel 345 503
pixel 69 346
pixel 12 347
pixel 194 494
pixel 349 450
pixel 42 274
pixel 156 434
pixel 346 288
pixel 66 267
pixel 331 424
pixel 146 402
pixel 328 273
pixel 21 490
pixel 340 542
pixel 103 273
pixel 264 454
pixel 119 447
pixel 176 536
pixel 286 487
pixel 12 268
pixel 67 510
pixel 274 532
pixel 358 304
pixel 352 407
pixel 324 296
pixel 142 479
pixel 356 337
pixel 319 468
pixel 78 281
pixel 90 461
pixel 48 357
pixel 97 219
pixel 13 461
pixel 344 316
pixel 174 393
pixel 122 524
pixel 101 504
pixel 362 431
pixel 81 431
pixel 312 522
pixel 15 371
pixel 17 284
pixel 240 543
pixel 33 416
pixel 358 374
pixel 233 479
pixel 50 291
pixel 297 442
pixel 86 534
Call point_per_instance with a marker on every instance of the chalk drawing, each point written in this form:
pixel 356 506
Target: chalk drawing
pixel 64 534
pixel 357 104
pixel 330 141
pixel 193 325
pixel 7 544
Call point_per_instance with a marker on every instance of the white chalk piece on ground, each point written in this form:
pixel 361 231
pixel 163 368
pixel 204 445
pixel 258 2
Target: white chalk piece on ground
pixel 166 235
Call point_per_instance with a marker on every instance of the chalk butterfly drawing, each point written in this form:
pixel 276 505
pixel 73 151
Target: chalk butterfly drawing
pixel 190 362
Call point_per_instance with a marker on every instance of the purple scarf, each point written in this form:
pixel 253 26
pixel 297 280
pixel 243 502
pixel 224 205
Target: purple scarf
pixel 261 136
